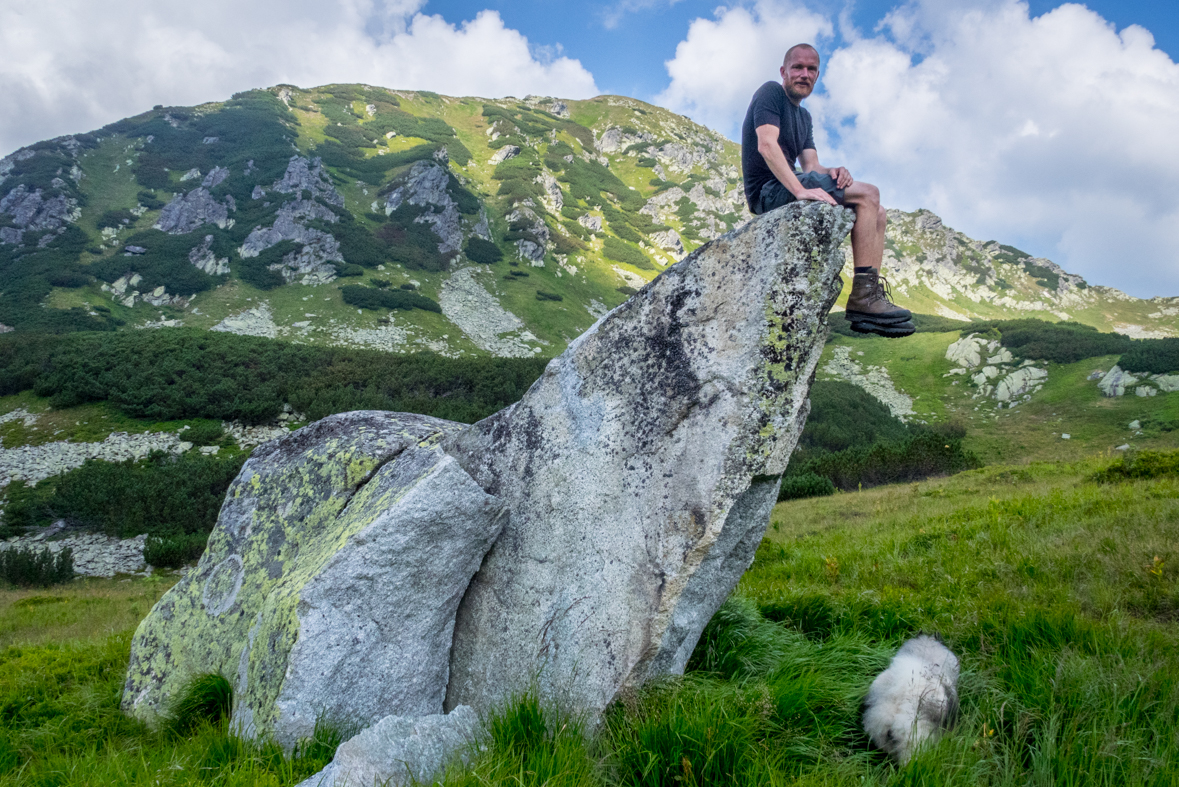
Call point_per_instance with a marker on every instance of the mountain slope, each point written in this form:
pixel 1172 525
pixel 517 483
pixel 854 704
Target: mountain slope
pixel 357 215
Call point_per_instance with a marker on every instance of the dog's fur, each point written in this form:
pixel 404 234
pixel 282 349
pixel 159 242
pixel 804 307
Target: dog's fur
pixel 914 699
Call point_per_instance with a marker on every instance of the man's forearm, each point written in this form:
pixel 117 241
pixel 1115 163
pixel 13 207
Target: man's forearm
pixel 776 161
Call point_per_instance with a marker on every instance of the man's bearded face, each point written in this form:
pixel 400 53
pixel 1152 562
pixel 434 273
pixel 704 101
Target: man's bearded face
pixel 800 73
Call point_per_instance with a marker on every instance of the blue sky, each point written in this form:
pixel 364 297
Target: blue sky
pixel 1047 126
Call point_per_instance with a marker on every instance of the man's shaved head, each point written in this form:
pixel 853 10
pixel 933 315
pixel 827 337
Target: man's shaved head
pixel 795 48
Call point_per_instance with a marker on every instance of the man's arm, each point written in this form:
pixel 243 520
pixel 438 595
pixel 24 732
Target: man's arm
pixel 767 146
pixel 809 159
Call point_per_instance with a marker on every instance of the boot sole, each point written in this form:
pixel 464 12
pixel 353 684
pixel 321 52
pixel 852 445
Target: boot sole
pixel 878 319
pixel 889 331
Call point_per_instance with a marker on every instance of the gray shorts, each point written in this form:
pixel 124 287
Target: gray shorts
pixel 775 195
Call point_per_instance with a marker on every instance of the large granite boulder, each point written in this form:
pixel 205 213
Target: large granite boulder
pixel 377 565
pixel 330 583
pixel 640 469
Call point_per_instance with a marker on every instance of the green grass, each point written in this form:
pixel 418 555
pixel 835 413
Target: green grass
pixel 1059 594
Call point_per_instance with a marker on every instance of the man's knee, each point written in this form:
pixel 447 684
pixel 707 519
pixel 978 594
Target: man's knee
pixel 881 216
pixel 863 194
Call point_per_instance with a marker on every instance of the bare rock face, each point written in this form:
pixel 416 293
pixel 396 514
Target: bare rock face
pixel 641 468
pixel 330 582
pixel 425 184
pixel 187 212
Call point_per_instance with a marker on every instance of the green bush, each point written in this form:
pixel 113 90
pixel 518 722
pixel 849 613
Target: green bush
pixel 204 433
pixel 162 493
pixel 923 455
pixel 1140 466
pixel 615 249
pixel 28 567
pixel 796 487
pixel 411 243
pixel 844 415
pixel 149 200
pixel 484 251
pixel 373 298
pixel 541 295
pixel 1152 356
pixel 174 551
pixel 185 374
pixel 165 262
pixel 115 218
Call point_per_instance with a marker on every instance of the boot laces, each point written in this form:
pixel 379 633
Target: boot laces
pixel 883 290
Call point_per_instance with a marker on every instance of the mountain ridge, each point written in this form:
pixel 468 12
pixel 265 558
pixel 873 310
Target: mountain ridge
pixel 406 221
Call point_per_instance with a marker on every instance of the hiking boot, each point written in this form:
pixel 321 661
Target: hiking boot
pixel 870 301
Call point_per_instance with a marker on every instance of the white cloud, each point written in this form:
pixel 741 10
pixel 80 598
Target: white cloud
pixel 72 65
pixel 717 68
pixel 1055 133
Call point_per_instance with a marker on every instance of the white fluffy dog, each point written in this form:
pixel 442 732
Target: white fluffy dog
pixel 914 699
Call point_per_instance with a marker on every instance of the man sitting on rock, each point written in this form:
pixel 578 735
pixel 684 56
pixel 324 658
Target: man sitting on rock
pixel 776 132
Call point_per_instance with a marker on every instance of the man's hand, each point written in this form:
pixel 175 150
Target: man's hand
pixel 842 177
pixel 818 195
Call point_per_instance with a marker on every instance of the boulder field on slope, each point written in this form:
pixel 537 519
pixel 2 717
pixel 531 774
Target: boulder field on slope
pixel 376 565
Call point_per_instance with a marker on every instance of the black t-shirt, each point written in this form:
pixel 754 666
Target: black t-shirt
pixel 795 134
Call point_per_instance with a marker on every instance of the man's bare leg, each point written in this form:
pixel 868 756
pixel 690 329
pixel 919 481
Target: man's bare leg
pixel 868 308
pixel 867 235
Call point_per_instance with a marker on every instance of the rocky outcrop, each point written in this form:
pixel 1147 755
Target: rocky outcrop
pixel 1017 384
pixel 1116 381
pixel 426 185
pixel 187 212
pixel 330 583
pixel 532 250
pixel 203 258
pixel 670 241
pixel 31 210
pixel 304 174
pixel 503 154
pixel 257 321
pixel 313 263
pixel 358 570
pixel 641 467
pixel 400 750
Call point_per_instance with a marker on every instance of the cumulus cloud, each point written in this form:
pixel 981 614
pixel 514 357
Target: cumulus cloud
pixel 73 65
pixel 1054 133
pixel 725 59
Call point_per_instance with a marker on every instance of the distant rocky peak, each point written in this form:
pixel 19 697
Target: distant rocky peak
pixel 308 174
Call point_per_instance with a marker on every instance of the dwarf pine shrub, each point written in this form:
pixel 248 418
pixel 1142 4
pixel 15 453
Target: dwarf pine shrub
pixel 1140 466
pixel 28 567
pixel 796 487
pixel 175 550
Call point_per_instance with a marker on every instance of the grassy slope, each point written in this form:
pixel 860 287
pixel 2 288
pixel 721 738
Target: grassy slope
pixel 1069 403
pixel 1060 596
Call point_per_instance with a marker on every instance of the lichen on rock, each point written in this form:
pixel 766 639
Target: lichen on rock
pixel 640 469
pixel 338 560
